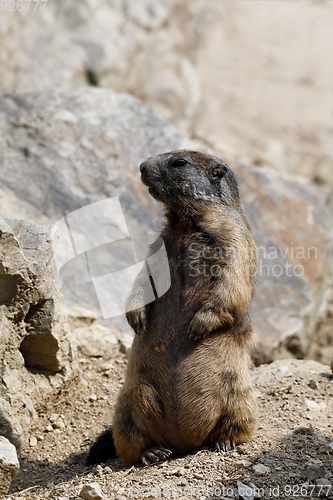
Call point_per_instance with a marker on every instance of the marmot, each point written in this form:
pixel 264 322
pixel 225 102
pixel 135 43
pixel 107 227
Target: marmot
pixel 188 382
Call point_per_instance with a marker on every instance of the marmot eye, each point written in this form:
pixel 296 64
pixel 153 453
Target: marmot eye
pixel 179 163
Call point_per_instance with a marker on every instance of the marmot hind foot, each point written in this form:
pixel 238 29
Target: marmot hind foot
pixel 155 454
pixel 223 445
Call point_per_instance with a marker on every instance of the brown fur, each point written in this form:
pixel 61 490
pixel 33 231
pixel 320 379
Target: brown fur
pixel 188 382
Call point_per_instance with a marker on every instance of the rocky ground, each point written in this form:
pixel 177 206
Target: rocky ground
pixel 290 457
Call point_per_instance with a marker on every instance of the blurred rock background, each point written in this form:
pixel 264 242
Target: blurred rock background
pixel 254 79
pixel 250 81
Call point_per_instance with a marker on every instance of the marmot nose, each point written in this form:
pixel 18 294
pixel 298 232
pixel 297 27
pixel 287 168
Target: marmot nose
pixel 142 167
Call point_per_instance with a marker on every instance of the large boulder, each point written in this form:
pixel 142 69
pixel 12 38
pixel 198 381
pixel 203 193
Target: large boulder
pixel 292 222
pixel 37 357
pixel 107 44
pixel 9 465
pixel 251 78
pixel 65 152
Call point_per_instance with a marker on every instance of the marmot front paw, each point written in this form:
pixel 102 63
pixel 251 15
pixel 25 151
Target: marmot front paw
pixel 199 328
pixel 137 319
pixel 204 322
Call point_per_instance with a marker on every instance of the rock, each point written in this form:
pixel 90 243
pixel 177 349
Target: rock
pixel 315 471
pixel 283 369
pixel 33 441
pixel 196 475
pixel 324 482
pixel 91 491
pixel 97 469
pixel 109 45
pixel 260 469
pixel 116 132
pixel 245 492
pixel 308 404
pixel 313 384
pixel 9 465
pixel 332 366
pixel 305 430
pixel 327 448
pixel 324 488
pixel 188 48
pixel 295 258
pixel 125 342
pixel 243 463
pixel 59 424
pixel 78 316
pixel 77 457
pixel 37 357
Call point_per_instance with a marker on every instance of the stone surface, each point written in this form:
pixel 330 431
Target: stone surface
pixel 245 492
pixel 66 151
pixel 91 491
pixel 37 357
pixel 310 405
pixel 260 469
pixel 292 223
pixel 9 465
pixel 315 471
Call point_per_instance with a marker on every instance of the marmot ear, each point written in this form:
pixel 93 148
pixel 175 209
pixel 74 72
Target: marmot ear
pixel 219 171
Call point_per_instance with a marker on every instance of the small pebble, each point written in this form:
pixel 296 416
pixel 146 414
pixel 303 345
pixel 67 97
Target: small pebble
pixel 91 491
pixel 313 384
pixel 198 476
pixel 315 471
pixel 305 430
pixel 260 469
pixel 97 470
pixel 283 369
pixel 59 424
pixel 308 404
pixel 243 463
pixel 33 441
pixel 245 492
pixel 180 472
pixel 324 482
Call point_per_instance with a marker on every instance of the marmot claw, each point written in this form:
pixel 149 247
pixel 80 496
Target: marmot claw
pixel 155 455
pixel 220 446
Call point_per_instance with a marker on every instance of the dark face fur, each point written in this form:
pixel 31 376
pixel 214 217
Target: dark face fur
pixel 189 181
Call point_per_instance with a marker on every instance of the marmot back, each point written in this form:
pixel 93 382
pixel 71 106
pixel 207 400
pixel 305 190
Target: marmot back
pixel 188 382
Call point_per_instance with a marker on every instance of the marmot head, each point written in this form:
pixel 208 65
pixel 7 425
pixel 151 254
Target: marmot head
pixel 190 182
